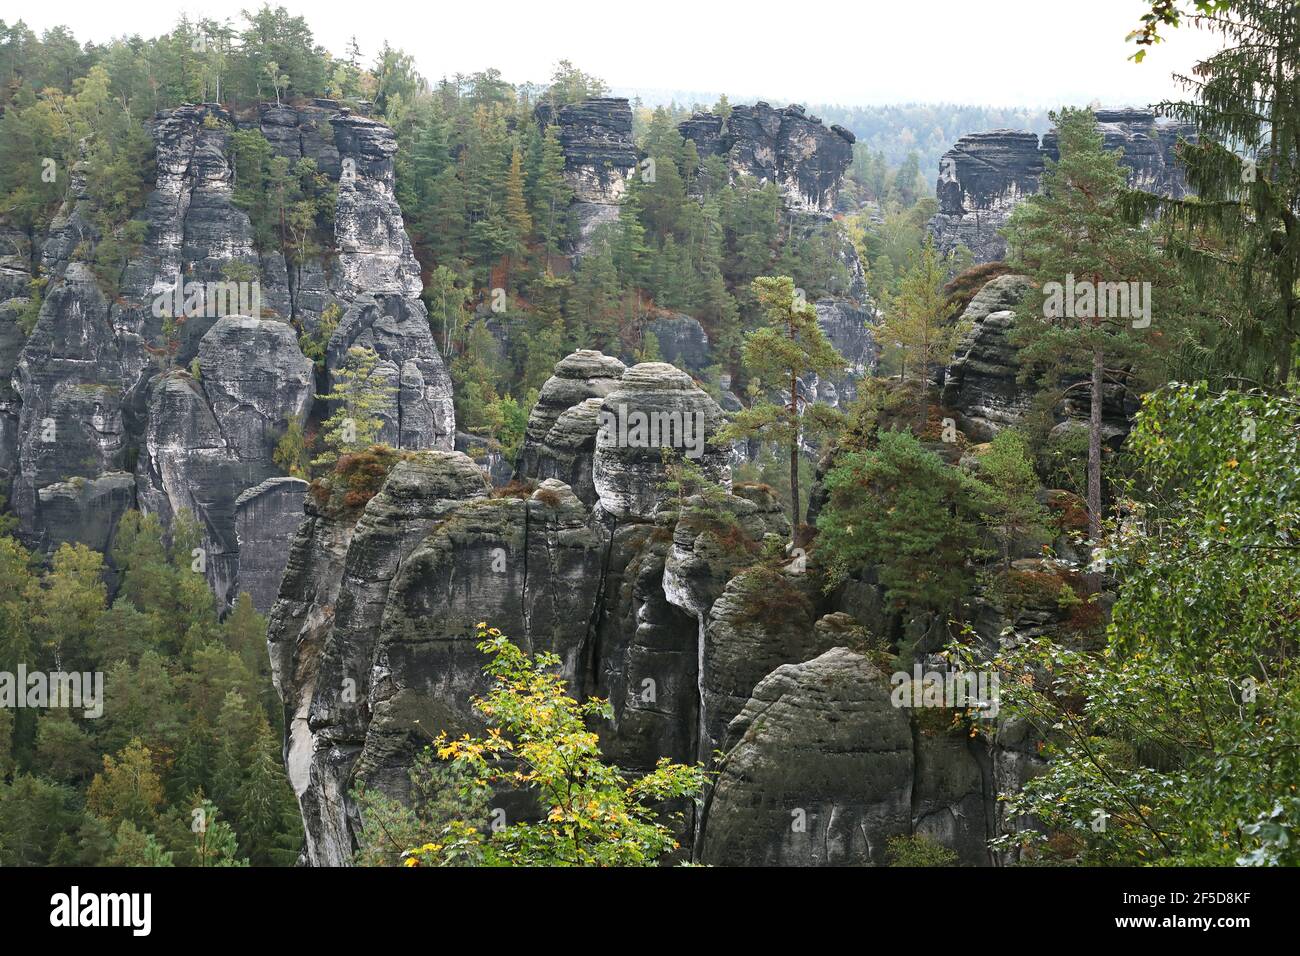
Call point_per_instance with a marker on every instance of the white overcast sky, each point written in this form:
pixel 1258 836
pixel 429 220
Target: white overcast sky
pixel 996 52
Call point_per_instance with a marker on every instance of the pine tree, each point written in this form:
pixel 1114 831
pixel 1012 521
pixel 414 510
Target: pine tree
pixel 913 329
pixel 1074 230
pixel 791 346
pixel 360 394
pixel 1012 512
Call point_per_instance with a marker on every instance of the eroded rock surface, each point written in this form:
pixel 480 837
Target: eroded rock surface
pixel 183 374
pixel 985 175
pixel 786 146
pixel 818 770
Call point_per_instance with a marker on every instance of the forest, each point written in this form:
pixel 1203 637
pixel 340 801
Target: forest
pixel 1111 529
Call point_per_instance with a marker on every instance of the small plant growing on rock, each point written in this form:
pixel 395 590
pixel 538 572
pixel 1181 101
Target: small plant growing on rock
pixel 918 850
pixel 358 396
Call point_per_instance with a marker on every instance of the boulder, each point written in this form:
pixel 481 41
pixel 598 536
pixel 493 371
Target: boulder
pixel 656 407
pixel 817 770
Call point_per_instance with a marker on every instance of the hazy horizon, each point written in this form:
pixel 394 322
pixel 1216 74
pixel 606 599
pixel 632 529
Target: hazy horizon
pixel 962 54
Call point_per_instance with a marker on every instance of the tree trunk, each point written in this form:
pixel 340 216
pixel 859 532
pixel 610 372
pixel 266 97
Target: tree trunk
pixel 1094 449
pixel 794 457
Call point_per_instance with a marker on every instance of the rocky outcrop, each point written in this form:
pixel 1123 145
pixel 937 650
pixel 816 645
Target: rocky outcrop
pixel 681 611
pixel 209 438
pixel 761 620
pixel 985 175
pixel 600 157
pixel 818 770
pixel 420 413
pixel 983 386
pixel 324 625
pixel 682 342
pixel 85 511
pixel 798 152
pixel 193 390
pixel 580 376
pixel 655 410
pixel 267 516
pixel 981 179
pixel 1149 145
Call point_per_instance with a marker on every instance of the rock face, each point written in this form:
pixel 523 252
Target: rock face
pixel 818 770
pixel 981 179
pixel 600 156
pixel 266 517
pixel 656 407
pixel 682 342
pixel 1148 144
pixel 195 400
pixel 821 769
pixel 785 146
pixel 325 623
pixel 984 175
pixel 982 384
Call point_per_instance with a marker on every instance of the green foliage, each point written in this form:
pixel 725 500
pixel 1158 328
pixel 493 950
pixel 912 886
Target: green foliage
pixel 315 342
pixel 445 798
pixel 189 704
pixel 914 334
pixel 360 393
pixel 918 850
pixel 1238 231
pixel 900 509
pixel 1013 512
pixel 1198 678
pixel 538 741
pixel 790 346
pixel 290 206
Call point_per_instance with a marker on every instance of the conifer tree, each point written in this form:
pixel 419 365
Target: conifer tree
pixel 360 394
pixel 913 330
pixel 790 346
pixel 1074 230
pixel 1242 225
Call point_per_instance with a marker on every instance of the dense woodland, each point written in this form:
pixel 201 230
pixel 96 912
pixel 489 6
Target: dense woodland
pixel 1171 693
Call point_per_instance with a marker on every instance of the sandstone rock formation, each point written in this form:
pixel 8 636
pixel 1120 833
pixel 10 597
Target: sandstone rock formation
pixel 679 610
pixel 267 517
pixel 600 157
pixel 195 403
pixel 983 385
pixel 655 407
pixel 799 153
pixel 583 375
pixel 682 342
pixel 818 770
pixel 984 175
